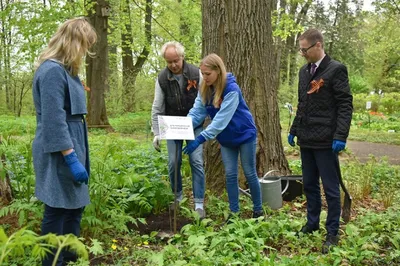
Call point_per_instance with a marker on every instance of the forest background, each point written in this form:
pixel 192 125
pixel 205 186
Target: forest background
pixel 258 41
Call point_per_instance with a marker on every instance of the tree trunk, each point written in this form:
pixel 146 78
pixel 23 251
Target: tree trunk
pixel 334 30
pixel 292 44
pixel 128 98
pixel 6 50
pixel 97 67
pixel 240 32
pixel 130 71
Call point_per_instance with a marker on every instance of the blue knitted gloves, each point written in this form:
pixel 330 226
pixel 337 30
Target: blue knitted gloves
pixel 194 144
pixel 77 169
pixel 290 140
pixel 338 145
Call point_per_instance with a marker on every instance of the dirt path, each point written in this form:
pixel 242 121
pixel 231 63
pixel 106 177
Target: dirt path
pixel 362 150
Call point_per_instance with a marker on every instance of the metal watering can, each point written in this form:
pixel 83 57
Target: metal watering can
pixel 271 190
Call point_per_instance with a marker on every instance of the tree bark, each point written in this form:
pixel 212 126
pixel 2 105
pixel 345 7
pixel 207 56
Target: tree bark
pixel 129 70
pixel 240 32
pixel 97 68
pixel 6 51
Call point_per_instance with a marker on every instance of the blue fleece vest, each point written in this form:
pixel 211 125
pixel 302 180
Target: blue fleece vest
pixel 241 129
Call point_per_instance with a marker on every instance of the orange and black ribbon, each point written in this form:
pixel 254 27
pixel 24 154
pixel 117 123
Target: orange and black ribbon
pixel 315 86
pixel 191 83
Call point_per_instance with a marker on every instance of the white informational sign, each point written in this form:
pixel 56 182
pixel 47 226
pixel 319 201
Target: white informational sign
pixel 368 105
pixel 175 127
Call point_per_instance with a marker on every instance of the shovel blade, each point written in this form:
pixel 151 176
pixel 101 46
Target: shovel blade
pixel 346 209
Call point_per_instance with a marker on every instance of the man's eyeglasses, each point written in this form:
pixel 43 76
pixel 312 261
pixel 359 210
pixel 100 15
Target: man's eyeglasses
pixel 304 50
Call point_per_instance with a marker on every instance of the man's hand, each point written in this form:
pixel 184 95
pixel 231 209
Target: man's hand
pixel 338 145
pixel 156 143
pixel 77 169
pixel 193 145
pixel 290 140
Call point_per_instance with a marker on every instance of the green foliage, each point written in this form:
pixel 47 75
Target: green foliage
pixel 358 84
pixel 29 213
pixel 285 25
pixel 375 177
pixel 133 123
pixel 19 166
pixel 287 94
pixel 129 180
pixel 381 51
pixel 13 126
pixel 125 182
pixel 388 103
pixel 17 245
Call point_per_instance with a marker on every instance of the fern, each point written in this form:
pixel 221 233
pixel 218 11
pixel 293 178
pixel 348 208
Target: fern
pixel 16 245
pixel 29 213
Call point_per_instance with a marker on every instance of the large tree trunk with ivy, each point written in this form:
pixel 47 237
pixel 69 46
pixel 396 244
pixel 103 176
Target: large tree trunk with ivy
pixel 97 67
pixel 240 32
pixel 130 71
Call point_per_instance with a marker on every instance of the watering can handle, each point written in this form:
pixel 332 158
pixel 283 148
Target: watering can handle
pixel 271 171
pixel 286 187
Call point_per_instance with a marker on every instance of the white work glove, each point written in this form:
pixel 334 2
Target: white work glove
pixel 156 143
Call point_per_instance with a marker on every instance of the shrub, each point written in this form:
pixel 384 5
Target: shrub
pixel 358 84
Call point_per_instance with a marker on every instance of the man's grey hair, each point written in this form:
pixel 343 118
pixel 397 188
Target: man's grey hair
pixel 180 50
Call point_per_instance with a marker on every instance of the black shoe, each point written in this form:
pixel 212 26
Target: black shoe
pixel 307 230
pixel 257 214
pixel 230 218
pixel 331 240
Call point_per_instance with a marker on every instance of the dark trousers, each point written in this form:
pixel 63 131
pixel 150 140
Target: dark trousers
pixel 316 163
pixel 61 221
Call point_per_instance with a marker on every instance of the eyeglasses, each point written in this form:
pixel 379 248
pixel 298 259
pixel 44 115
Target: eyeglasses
pixel 304 50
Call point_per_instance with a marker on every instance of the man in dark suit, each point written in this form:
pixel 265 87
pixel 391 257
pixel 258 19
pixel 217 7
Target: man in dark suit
pixel 321 125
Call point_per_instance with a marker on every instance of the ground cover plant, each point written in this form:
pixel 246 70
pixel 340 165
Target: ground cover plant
pixel 129 184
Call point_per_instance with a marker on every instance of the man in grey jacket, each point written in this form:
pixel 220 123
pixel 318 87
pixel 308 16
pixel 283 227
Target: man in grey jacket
pixel 175 92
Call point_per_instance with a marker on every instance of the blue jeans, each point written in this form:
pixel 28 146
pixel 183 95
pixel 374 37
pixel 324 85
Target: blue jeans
pixel 196 165
pixel 316 163
pixel 248 159
pixel 61 221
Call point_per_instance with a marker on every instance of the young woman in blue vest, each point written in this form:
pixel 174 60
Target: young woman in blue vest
pixel 60 148
pixel 232 125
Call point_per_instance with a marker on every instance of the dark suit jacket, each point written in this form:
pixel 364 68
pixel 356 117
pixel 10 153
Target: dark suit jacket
pixel 325 114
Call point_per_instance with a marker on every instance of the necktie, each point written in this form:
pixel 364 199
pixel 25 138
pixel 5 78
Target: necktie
pixel 313 68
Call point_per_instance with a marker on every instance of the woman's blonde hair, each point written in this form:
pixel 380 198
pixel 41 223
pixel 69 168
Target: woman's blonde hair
pixel 70 43
pixel 214 62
